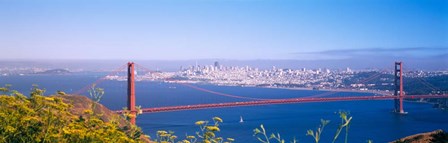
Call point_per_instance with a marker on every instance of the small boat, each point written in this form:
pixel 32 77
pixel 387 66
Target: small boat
pixel 241 119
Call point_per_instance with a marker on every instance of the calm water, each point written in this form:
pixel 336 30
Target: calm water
pixel 371 119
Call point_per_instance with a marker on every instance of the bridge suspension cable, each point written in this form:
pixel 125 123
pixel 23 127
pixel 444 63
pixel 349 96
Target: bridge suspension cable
pixel 427 84
pixel 372 77
pixel 201 89
pixel 278 101
pixel 328 93
pixel 235 96
pixel 121 68
pixel 98 81
pixel 222 94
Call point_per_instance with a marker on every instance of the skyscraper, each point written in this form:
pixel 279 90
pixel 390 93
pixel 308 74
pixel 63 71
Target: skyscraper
pixel 216 64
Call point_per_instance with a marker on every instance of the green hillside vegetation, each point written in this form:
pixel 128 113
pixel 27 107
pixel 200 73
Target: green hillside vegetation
pixel 41 118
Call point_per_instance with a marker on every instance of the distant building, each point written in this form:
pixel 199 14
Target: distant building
pixel 348 70
pixel 216 64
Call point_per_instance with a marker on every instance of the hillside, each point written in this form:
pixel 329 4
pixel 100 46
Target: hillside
pixel 61 118
pixel 82 103
pixel 438 136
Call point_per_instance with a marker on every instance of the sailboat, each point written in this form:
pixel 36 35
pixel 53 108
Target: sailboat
pixel 241 119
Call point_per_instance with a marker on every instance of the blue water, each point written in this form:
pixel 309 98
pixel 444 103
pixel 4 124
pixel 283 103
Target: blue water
pixel 371 119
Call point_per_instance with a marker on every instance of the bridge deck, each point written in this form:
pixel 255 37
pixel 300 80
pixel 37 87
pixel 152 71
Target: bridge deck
pixel 281 101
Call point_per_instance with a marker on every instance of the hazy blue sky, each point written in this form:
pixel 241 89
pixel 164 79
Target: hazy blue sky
pixel 223 29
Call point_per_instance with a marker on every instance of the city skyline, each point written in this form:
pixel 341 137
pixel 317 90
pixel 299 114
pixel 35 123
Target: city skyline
pixel 227 29
pixel 223 70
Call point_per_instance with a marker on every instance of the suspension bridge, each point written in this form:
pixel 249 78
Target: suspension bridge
pixel 398 95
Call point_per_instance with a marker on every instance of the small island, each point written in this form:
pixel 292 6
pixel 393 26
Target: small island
pixel 54 72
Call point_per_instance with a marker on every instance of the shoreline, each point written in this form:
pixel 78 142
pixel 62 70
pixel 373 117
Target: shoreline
pixel 329 90
pixel 375 92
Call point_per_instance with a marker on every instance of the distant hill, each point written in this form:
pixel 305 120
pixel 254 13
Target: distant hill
pixel 55 72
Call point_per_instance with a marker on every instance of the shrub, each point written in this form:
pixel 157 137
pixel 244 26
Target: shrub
pixel 40 118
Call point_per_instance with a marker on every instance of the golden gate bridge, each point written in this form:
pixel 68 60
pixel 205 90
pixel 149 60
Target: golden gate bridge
pixel 398 95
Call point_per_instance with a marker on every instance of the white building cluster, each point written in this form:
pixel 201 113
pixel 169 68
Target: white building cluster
pixel 249 76
pixel 274 77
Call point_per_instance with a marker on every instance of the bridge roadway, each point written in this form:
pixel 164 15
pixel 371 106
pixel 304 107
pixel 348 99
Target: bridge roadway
pixel 281 101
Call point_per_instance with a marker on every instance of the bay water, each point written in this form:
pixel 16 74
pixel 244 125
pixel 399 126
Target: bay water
pixel 372 119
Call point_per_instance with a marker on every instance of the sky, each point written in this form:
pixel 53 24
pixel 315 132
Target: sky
pixel 223 29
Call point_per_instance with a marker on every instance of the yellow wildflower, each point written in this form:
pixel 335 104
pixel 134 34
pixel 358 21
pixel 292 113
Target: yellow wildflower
pixel 88 111
pixel 49 99
pixel 165 135
pixel 10 129
pixel 217 119
pixel 173 137
pixel 161 132
pixel 212 128
pixel 200 123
